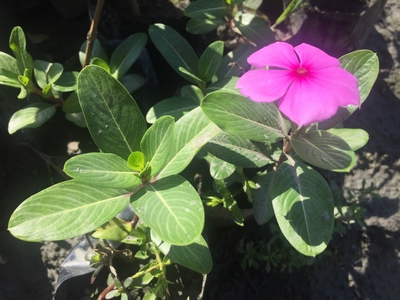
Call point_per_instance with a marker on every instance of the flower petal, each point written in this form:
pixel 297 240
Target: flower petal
pixel 314 58
pixel 278 54
pixel 265 85
pixel 317 97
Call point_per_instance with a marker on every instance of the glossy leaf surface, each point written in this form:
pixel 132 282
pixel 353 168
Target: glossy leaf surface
pixel 210 60
pixel 324 150
pixel 238 115
pixel 172 208
pixel 191 132
pixel 206 9
pixel 237 150
pixel 303 206
pixel 31 116
pixel 65 210
pixel 112 115
pixel 175 107
pixel 126 54
pixel 101 169
pixel 156 143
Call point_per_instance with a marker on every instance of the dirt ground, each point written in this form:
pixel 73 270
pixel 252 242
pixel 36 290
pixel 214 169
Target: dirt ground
pixel 366 261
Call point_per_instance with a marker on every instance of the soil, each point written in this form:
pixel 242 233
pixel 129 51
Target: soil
pixel 365 263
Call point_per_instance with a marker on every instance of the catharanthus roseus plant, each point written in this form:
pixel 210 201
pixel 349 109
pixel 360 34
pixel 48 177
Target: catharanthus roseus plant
pixel 139 167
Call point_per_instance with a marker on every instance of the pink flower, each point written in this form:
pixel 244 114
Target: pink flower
pixel 309 83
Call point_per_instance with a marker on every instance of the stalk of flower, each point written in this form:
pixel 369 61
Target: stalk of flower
pixel 308 84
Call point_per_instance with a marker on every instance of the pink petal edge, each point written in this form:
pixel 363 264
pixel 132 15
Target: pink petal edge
pixel 279 54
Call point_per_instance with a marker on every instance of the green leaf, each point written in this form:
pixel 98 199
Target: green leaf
pixel 237 150
pixel 238 115
pixel 172 208
pixel 324 150
pixel 97 51
pixel 101 63
pixel 132 82
pixel 112 115
pixel 202 26
pixel 136 161
pixel 252 4
pixel 175 107
pixel 115 230
pixel 195 256
pixel 355 138
pixel 191 77
pixel 206 9
pixel 18 46
pixel 67 82
pixel 126 54
pixel 156 143
pixel 175 49
pixel 191 132
pixel 192 91
pixel 226 85
pixel 235 62
pixel 255 29
pixel 65 210
pixel 77 118
pixel 303 206
pixel 9 70
pixel 288 11
pixel 101 169
pixel 71 104
pixel 47 73
pixel 32 116
pixel 262 199
pixel 363 64
pixel 210 60
pixel 220 169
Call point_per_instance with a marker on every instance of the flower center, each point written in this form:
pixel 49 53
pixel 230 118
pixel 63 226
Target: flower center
pixel 301 72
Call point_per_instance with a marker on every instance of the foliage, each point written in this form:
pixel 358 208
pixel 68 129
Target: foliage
pixel 253 151
pixel 50 82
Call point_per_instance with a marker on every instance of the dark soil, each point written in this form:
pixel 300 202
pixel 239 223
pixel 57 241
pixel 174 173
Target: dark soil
pixel 364 263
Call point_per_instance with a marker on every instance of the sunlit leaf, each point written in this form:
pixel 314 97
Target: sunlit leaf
pixel 206 9
pixel 65 210
pixel 126 54
pixel 32 116
pixel 67 82
pixel 202 26
pixel 156 143
pixel 101 169
pixel 324 150
pixel 17 44
pixel 175 107
pixel 172 208
pixel 355 138
pixel 191 132
pixel 210 60
pixel 47 73
pixel 255 29
pixel 238 115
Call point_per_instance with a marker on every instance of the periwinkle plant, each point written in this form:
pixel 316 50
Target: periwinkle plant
pixel 140 167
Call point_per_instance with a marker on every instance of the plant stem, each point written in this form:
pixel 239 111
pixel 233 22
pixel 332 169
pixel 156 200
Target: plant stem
pixel 92 34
